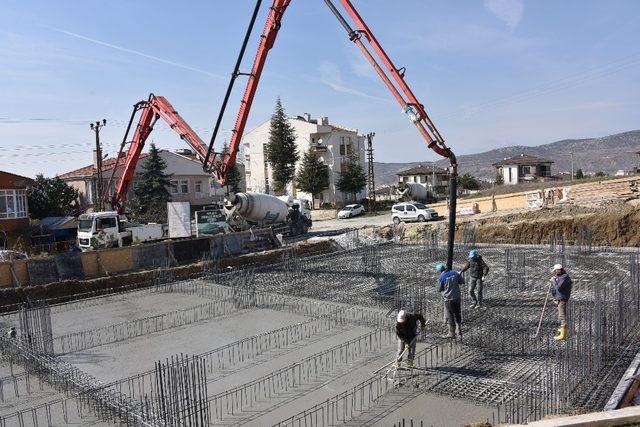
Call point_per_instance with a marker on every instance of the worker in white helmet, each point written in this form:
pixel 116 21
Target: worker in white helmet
pixel 12 333
pixel 561 285
pixel 407 332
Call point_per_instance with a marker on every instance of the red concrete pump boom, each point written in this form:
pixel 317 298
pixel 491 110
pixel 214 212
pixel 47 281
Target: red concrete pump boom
pixel 392 76
pixel 154 108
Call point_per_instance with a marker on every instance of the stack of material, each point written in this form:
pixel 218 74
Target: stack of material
pixel 594 195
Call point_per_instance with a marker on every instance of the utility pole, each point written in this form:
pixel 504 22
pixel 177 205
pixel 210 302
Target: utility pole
pixel 95 127
pixel 371 187
pixel 571 165
pixel 433 180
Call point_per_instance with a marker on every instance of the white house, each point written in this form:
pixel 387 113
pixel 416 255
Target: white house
pixel 434 178
pixel 332 143
pixel 523 168
pixel 188 182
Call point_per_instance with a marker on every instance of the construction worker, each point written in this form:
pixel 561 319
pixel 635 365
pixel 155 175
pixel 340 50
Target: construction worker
pixel 561 285
pixel 449 285
pixel 478 270
pixel 407 332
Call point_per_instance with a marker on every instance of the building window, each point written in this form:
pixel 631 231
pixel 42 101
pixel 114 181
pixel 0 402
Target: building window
pixel 198 186
pixel 423 179
pixel 184 186
pixel 510 177
pixel 173 187
pixel 13 204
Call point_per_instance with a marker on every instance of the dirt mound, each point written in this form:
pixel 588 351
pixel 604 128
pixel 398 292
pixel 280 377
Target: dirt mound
pixel 613 224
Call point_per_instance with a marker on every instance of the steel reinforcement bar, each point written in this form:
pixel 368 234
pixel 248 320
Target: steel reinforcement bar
pixel 237 399
pixel 64 377
pixel 84 340
pixel 234 353
pixel 350 403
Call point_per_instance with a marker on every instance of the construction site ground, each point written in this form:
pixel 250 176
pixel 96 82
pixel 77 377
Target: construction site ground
pixel 305 337
pixel 614 223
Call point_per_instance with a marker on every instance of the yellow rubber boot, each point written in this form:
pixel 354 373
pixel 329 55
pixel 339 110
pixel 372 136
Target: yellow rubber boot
pixel 410 364
pixel 562 334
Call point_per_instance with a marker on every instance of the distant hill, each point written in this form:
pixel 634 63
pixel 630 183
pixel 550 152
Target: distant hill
pixel 609 154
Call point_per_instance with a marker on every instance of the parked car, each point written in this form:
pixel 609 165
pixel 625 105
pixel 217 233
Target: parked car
pixel 350 211
pixel 412 211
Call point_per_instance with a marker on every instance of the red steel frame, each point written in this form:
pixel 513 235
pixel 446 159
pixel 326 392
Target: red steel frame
pixel 422 121
pixel 158 107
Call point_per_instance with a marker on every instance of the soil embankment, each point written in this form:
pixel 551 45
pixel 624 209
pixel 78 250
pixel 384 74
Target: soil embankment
pixel 613 224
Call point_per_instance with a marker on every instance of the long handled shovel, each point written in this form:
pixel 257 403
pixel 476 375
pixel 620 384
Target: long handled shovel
pixel 544 307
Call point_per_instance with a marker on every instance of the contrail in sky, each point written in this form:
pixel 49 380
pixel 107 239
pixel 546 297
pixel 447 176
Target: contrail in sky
pixel 135 52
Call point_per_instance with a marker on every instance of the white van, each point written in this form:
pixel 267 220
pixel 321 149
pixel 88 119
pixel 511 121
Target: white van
pixel 412 211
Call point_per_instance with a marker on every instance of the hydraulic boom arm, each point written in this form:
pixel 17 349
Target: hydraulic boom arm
pixel 392 76
pixel 156 107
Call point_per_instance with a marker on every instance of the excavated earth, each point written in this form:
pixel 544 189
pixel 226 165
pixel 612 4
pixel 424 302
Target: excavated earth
pixel 612 224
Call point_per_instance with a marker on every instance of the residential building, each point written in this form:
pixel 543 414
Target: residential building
pixel 434 178
pixel 332 143
pixel 386 193
pixel 523 168
pixel 14 210
pixel 189 183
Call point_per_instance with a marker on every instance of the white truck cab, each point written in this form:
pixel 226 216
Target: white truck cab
pixel 108 229
pixel 412 211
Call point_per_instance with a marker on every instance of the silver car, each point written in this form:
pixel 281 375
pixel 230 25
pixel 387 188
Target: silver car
pixel 412 211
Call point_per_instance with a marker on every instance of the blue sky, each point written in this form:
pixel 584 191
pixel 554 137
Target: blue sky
pixel 491 73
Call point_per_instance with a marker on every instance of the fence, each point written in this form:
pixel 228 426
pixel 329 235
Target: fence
pixel 104 262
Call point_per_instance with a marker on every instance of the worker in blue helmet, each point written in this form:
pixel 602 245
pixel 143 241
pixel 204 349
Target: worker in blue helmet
pixel 449 286
pixel 478 270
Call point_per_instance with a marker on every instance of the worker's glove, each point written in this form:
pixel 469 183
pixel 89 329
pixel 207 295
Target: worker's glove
pixel 406 345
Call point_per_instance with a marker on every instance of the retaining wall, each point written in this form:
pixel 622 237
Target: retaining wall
pixel 104 262
pixel 516 200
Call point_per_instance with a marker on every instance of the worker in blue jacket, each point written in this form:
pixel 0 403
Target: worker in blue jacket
pixel 449 286
pixel 561 286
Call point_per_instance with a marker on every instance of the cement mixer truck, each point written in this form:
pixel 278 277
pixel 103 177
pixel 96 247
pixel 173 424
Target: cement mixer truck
pixel 284 214
pixel 412 191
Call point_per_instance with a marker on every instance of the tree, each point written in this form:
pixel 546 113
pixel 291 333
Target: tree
pixel 600 174
pixel 150 190
pixel 352 179
pixel 313 176
pixel 52 197
pixel 281 151
pixel 468 182
pixel 499 179
pixel 579 174
pixel 233 176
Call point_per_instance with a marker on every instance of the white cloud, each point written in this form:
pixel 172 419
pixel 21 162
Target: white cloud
pixel 508 11
pixel 135 52
pixel 331 76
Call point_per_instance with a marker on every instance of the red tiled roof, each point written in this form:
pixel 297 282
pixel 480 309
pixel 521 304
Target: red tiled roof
pixel 91 170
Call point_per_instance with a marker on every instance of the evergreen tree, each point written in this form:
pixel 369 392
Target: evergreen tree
pixel 233 176
pixel 151 190
pixel 499 179
pixel 352 178
pixel 468 182
pixel 52 197
pixel 281 151
pixel 313 176
pixel 579 174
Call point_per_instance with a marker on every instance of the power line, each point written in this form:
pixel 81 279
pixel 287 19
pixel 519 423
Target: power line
pixel 564 83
